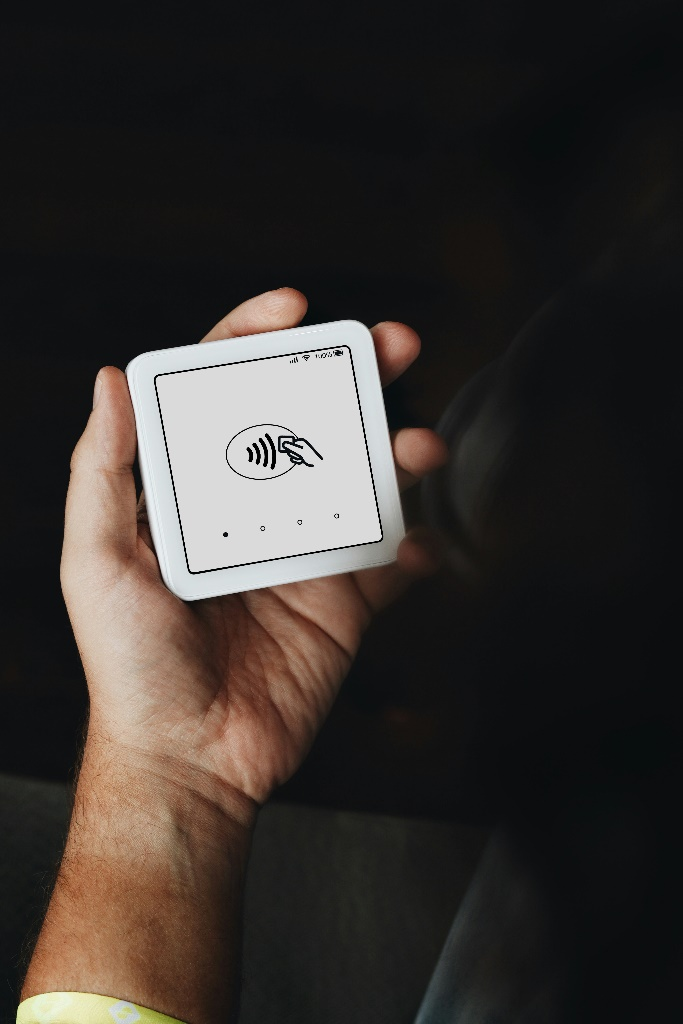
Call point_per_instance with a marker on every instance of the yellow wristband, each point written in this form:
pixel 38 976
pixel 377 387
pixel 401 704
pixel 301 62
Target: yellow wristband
pixel 86 1008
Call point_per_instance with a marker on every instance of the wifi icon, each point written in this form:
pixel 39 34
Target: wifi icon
pixel 306 357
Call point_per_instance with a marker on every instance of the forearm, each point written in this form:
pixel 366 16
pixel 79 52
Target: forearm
pixel 147 903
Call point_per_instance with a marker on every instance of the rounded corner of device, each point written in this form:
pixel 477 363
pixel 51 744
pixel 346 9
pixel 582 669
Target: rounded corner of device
pixel 358 326
pixel 133 365
pixel 176 588
pixel 154 356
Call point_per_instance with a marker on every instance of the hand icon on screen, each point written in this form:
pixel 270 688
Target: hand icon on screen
pixel 298 450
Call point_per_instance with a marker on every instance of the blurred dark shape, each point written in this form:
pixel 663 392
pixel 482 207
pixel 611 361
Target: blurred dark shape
pixel 560 508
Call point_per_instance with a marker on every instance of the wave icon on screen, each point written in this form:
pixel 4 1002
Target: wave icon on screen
pixel 253 452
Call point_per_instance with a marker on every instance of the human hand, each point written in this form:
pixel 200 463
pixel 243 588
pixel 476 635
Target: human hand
pixel 224 695
pixel 300 447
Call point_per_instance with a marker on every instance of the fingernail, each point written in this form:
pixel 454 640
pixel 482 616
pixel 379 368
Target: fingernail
pixel 96 392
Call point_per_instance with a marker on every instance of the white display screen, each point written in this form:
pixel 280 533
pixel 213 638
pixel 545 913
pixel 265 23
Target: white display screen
pixel 268 458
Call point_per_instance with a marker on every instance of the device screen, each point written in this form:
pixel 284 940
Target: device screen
pixel 268 458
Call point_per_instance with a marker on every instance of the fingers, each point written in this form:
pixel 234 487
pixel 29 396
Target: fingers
pixel 417 451
pixel 419 554
pixel 396 347
pixel 270 311
pixel 396 344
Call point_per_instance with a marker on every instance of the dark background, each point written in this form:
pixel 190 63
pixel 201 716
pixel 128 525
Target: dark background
pixel 450 167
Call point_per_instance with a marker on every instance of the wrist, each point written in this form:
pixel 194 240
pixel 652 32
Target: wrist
pixel 147 903
pixel 127 802
pixel 152 785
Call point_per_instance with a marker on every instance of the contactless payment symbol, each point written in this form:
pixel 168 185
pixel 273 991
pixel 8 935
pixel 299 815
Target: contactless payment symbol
pixel 266 450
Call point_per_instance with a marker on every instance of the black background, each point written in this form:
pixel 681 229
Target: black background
pixel 449 166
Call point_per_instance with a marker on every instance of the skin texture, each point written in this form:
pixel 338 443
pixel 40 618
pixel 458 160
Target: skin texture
pixel 198 711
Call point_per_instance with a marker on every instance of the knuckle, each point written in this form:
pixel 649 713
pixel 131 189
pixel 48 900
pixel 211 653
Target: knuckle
pixel 77 457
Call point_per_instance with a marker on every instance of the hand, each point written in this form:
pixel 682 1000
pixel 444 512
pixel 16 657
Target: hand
pixel 223 695
pixel 300 448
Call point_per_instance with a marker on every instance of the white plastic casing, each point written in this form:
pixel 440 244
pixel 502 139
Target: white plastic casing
pixel 156 460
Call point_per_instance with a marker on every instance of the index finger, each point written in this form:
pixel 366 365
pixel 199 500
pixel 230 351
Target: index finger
pixel 270 311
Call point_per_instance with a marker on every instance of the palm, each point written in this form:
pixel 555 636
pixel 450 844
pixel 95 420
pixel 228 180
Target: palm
pixel 277 668
pixel 249 678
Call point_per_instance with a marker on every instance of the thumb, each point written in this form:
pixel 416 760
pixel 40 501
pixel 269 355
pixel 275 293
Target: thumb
pixel 100 523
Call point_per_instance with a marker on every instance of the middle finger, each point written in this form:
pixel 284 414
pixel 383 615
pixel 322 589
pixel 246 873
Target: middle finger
pixel 417 451
pixel 396 347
